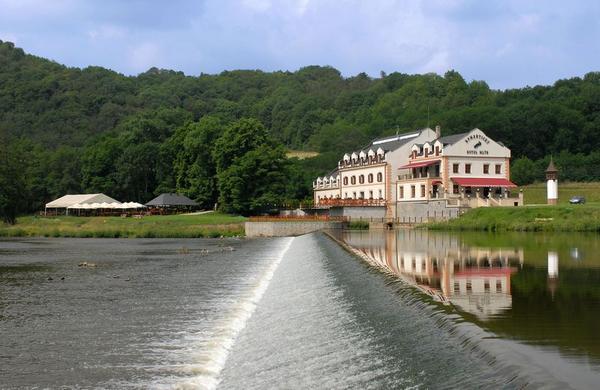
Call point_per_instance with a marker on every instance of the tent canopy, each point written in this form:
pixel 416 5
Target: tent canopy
pixel 166 200
pixel 70 200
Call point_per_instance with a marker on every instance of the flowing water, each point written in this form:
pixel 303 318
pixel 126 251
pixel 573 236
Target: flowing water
pixel 470 311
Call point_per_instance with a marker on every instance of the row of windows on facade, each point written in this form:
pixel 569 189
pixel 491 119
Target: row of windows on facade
pixel 469 284
pixel 413 191
pixel 486 287
pixel 361 195
pixel 455 190
pixel 426 152
pixel 486 168
pixel 361 179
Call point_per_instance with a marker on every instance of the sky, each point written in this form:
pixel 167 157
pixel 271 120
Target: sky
pixel 508 44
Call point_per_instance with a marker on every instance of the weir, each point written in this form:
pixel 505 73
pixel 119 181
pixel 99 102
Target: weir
pixel 285 227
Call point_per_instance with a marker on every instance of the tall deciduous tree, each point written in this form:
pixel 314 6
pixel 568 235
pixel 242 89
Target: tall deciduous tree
pixel 194 167
pixel 251 169
pixel 13 184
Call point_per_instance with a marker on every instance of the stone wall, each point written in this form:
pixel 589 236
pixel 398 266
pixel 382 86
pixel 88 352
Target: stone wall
pixel 287 228
pixel 414 212
pixel 354 212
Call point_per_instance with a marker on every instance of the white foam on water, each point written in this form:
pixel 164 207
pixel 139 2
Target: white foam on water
pixel 212 354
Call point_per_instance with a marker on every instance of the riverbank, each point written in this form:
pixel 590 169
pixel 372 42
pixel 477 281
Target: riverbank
pixel 158 226
pixel 574 218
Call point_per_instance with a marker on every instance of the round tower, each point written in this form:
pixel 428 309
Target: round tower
pixel 552 183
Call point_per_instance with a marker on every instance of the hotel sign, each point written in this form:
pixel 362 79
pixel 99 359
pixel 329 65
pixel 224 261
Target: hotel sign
pixel 476 141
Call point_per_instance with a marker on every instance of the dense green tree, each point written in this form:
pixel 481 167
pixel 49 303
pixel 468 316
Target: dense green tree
pixel 239 138
pixel 255 182
pixel 523 171
pixel 251 168
pixel 13 183
pixel 194 166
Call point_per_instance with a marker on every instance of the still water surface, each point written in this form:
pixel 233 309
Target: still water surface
pixel 469 311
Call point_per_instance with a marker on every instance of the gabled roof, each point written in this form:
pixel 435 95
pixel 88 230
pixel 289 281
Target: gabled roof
pixel 168 199
pixel 393 142
pixel 452 139
pixel 69 200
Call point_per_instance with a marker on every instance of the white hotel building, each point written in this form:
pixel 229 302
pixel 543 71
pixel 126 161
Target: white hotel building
pixel 419 176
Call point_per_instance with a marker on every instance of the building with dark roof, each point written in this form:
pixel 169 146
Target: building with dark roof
pixel 446 174
pixel 417 176
pixel 363 183
pixel 172 201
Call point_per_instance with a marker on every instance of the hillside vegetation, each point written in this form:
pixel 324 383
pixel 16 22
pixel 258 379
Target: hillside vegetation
pixel 69 130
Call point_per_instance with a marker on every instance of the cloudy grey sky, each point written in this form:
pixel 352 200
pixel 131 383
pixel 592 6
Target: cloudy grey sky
pixel 509 43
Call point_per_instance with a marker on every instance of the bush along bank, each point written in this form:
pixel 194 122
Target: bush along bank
pixel 172 226
pixel 576 218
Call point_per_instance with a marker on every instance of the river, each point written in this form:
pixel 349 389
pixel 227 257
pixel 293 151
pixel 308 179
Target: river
pixel 468 311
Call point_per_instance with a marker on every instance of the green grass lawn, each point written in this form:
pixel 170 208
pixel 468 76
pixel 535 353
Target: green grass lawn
pixel 529 218
pixel 203 225
pixel 536 193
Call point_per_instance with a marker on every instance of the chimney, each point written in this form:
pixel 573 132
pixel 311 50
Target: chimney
pixel 438 131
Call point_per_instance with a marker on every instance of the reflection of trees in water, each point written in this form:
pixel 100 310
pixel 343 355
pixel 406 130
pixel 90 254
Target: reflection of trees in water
pixel 567 317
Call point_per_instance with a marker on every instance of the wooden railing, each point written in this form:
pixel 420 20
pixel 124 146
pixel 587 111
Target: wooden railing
pixel 351 202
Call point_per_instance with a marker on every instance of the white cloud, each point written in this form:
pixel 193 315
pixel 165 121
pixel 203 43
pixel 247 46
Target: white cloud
pixel 144 56
pixel 8 36
pixel 257 5
pixel 107 32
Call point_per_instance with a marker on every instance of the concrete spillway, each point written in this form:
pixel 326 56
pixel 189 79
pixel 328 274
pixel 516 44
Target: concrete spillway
pixel 287 228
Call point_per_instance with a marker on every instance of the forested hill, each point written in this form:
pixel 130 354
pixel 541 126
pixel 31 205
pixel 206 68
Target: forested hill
pixel 94 129
pixel 313 108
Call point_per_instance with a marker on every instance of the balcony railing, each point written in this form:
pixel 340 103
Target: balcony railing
pixel 410 176
pixel 350 202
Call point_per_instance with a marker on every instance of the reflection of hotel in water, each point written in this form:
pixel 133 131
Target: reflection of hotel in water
pixel 473 278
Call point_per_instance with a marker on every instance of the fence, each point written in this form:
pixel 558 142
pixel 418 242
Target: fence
pixel 351 202
pixel 300 218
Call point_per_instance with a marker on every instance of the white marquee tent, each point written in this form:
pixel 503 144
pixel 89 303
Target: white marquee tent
pixel 66 202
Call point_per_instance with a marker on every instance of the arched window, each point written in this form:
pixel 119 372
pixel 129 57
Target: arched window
pixel 346 180
pixel 379 177
pixel 370 178
pixel 353 180
pixel 361 179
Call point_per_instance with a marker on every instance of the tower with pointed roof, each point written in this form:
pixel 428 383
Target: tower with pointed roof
pixel 552 183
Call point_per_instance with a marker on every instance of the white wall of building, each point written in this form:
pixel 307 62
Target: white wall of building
pixel 552 189
pixel 353 191
pixel 326 193
pixel 477 166
pixel 476 144
pixel 407 187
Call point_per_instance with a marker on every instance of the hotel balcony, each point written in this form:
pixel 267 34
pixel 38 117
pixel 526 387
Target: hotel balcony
pixel 410 176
